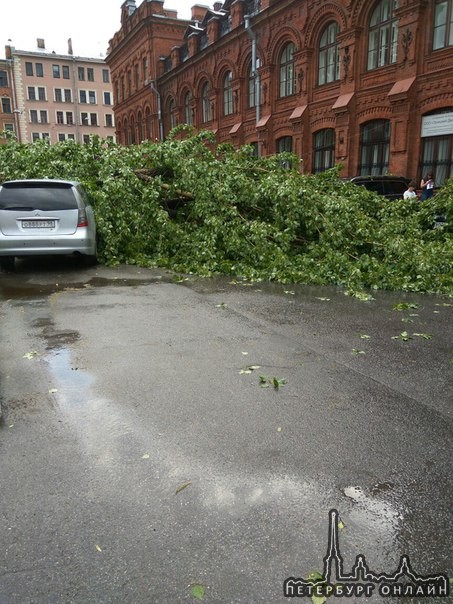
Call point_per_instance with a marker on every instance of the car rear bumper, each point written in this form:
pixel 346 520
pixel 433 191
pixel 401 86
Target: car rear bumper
pixel 17 246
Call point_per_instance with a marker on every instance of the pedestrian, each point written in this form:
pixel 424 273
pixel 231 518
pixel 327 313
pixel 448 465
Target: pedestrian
pixel 411 193
pixel 427 186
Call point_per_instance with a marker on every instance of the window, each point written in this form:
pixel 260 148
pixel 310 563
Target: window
pixel 107 98
pixel 67 95
pixel 205 104
pixel 39 70
pixel 86 139
pixel 82 96
pixel 172 113
pixel 58 95
pixel 84 119
pixel 93 119
pixel 251 96
pixel 43 117
pixel 285 145
pixel 69 118
pixel 8 127
pixel 105 76
pixel 33 116
pixel 109 120
pixel 61 138
pixel 136 77
pixel 187 108
pixel 443 24
pixel 323 150
pixel 81 73
pixel 287 71
pixel 329 55
pixel 6 105
pixel 228 94
pixel 3 79
pixel 41 93
pixel 65 71
pixel 123 90
pixel 56 71
pixel 145 70
pixel 71 137
pixel 35 136
pixel 437 151
pixel 28 68
pixel 31 93
pixel 383 35
pixel 375 147
pixel 60 117
pixel 129 83
pixel 92 97
pixel 90 74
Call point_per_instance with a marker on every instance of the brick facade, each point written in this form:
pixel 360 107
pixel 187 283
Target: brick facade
pixel 367 84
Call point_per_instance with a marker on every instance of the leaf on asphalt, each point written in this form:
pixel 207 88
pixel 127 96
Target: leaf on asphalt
pixel 99 548
pixel 356 351
pixel 315 576
pixel 183 486
pixel 425 336
pixel 405 306
pixel 402 336
pixel 407 320
pixel 30 355
pixel 287 291
pixel 323 299
pixel 341 525
pixel 245 371
pixel 318 599
pixel 364 336
pixel 145 456
pixel 264 381
pixel 363 296
pixel 53 390
pixel 244 353
pixel 279 429
pixel 198 591
pixel 443 304
pixel 277 382
pixel 221 305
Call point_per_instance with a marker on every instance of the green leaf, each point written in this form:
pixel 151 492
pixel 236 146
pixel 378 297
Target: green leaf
pixel 198 591
pixel 405 306
pixel 183 486
pixel 425 336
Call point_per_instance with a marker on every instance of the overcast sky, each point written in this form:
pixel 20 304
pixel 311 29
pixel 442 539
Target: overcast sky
pixel 89 23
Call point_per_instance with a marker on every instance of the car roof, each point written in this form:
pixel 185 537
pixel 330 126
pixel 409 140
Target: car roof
pixel 379 177
pixel 43 181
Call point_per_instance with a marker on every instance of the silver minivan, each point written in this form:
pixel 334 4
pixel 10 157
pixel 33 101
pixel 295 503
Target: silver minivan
pixel 45 217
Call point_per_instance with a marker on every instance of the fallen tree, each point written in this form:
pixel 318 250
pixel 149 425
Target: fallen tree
pixel 191 206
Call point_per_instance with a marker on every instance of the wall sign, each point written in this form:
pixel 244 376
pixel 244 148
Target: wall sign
pixel 437 125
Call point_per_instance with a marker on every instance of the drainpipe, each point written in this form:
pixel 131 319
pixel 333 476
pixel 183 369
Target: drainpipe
pixel 16 112
pixel 159 110
pixel 255 73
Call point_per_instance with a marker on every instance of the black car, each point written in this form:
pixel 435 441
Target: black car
pixel 391 187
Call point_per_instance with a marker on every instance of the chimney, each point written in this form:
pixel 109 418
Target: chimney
pixel 70 47
pixel 40 43
pixel 130 6
pixel 217 6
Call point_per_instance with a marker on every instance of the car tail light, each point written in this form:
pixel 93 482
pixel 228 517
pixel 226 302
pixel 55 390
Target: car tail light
pixel 82 220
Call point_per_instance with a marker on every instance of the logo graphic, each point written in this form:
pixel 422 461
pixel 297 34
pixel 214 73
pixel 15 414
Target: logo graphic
pixel 362 581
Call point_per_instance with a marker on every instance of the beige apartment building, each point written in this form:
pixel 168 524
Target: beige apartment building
pixel 7 116
pixel 59 97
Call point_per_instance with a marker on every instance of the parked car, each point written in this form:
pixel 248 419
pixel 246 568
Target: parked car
pixel 45 217
pixel 391 187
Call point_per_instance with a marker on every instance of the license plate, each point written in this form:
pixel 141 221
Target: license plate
pixel 38 224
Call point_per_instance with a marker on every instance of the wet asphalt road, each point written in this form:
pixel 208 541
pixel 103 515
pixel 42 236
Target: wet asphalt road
pixel 140 455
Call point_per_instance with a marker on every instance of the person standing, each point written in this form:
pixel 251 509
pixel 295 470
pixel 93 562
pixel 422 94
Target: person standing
pixel 427 186
pixel 410 193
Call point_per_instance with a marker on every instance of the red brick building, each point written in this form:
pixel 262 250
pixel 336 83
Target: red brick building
pixel 364 83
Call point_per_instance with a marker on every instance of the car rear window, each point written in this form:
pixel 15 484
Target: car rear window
pixel 37 196
pixel 395 187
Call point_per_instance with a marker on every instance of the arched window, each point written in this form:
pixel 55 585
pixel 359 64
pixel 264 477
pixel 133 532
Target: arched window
pixel 228 94
pixel 252 100
pixel 172 113
pixel 188 108
pixel 323 150
pixel 141 135
pixel 329 55
pixel 287 71
pixel 148 127
pixel 132 138
pixel 383 35
pixel 205 104
pixel 443 24
pixel 126 132
pixel 375 147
